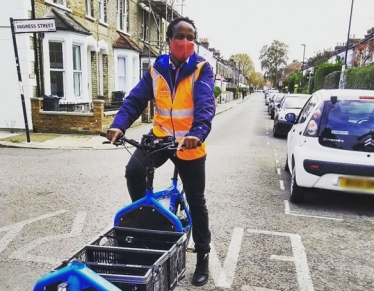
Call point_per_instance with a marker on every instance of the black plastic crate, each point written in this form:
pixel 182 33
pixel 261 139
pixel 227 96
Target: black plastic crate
pixel 125 278
pixel 128 269
pixel 173 242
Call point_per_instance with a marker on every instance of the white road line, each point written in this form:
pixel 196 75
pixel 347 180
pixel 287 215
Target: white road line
pixel 252 288
pixel 278 171
pixel 224 276
pixel 281 185
pixel 22 253
pixel 14 229
pixel 299 258
pixel 288 212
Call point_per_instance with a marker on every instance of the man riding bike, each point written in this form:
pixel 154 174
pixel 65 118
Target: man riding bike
pixel 181 83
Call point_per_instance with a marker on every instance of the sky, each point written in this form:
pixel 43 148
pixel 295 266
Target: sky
pixel 245 26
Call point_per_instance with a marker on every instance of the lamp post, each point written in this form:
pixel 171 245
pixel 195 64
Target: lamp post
pixel 302 65
pixel 349 31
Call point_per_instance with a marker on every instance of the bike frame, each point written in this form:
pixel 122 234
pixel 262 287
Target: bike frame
pixel 151 199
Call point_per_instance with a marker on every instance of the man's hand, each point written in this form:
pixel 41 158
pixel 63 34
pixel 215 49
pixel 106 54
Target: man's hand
pixel 113 133
pixel 188 142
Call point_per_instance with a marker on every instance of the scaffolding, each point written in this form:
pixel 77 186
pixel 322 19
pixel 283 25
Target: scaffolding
pixel 163 9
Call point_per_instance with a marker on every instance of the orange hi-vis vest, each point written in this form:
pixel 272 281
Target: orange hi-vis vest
pixel 174 114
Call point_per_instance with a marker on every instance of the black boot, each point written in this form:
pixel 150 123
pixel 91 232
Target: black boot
pixel 201 275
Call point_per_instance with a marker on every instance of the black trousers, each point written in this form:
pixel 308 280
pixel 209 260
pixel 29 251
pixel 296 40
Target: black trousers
pixel 192 174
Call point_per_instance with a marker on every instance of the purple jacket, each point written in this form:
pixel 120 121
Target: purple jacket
pixel 204 101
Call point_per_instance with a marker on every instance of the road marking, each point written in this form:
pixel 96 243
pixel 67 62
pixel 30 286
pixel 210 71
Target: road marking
pixel 281 185
pixel 22 253
pixel 299 258
pixel 278 171
pixel 252 288
pixel 289 212
pixel 224 276
pixel 14 229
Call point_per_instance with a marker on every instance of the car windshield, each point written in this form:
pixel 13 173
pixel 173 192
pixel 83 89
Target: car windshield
pixel 279 98
pixel 294 102
pixel 348 125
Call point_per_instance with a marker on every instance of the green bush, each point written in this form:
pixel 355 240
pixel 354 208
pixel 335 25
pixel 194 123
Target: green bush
pixel 332 80
pixel 234 90
pixel 322 71
pixel 360 78
pixel 217 91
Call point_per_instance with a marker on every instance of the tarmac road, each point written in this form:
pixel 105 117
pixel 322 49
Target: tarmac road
pixel 53 202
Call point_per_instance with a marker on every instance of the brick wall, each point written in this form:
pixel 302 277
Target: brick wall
pixel 72 122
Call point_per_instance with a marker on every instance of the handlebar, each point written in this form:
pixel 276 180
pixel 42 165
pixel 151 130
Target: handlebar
pixel 148 142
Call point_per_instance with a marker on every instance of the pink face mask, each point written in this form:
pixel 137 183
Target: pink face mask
pixel 182 49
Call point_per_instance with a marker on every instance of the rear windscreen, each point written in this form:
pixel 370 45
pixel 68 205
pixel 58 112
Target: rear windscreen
pixel 348 125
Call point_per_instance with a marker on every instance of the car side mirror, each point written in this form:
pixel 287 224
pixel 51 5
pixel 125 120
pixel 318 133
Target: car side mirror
pixel 290 117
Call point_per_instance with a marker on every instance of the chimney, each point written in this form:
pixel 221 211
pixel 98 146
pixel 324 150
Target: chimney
pixel 204 42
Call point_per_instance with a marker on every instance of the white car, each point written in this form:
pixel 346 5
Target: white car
pixel 331 143
pixel 291 103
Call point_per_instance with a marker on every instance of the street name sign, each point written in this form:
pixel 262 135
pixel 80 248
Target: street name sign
pixel 34 25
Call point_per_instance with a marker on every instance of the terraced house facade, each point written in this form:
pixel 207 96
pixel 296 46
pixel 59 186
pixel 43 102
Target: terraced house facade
pixel 100 46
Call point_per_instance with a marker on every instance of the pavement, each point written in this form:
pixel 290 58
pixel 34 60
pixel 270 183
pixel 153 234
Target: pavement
pixel 86 142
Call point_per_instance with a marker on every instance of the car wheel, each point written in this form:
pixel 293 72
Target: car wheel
pixel 297 192
pixel 275 134
pixel 286 167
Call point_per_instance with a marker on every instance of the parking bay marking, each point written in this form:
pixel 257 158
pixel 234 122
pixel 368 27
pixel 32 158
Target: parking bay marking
pixel 22 253
pixel 288 212
pixel 299 258
pixel 223 274
pixel 14 229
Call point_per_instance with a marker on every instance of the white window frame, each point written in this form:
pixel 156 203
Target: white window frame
pixel 63 70
pixel 77 72
pixel 62 4
pixel 68 39
pixel 122 14
pixel 88 8
pixel 119 75
pixel 102 16
pixel 134 71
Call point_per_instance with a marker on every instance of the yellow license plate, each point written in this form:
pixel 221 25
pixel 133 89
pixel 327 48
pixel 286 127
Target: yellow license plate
pixel 356 183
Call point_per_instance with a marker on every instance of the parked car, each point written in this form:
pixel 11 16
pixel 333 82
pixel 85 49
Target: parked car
pixel 277 99
pixel 269 92
pixel 331 143
pixel 291 103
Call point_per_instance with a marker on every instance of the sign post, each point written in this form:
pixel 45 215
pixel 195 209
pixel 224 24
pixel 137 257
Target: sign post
pixel 27 26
